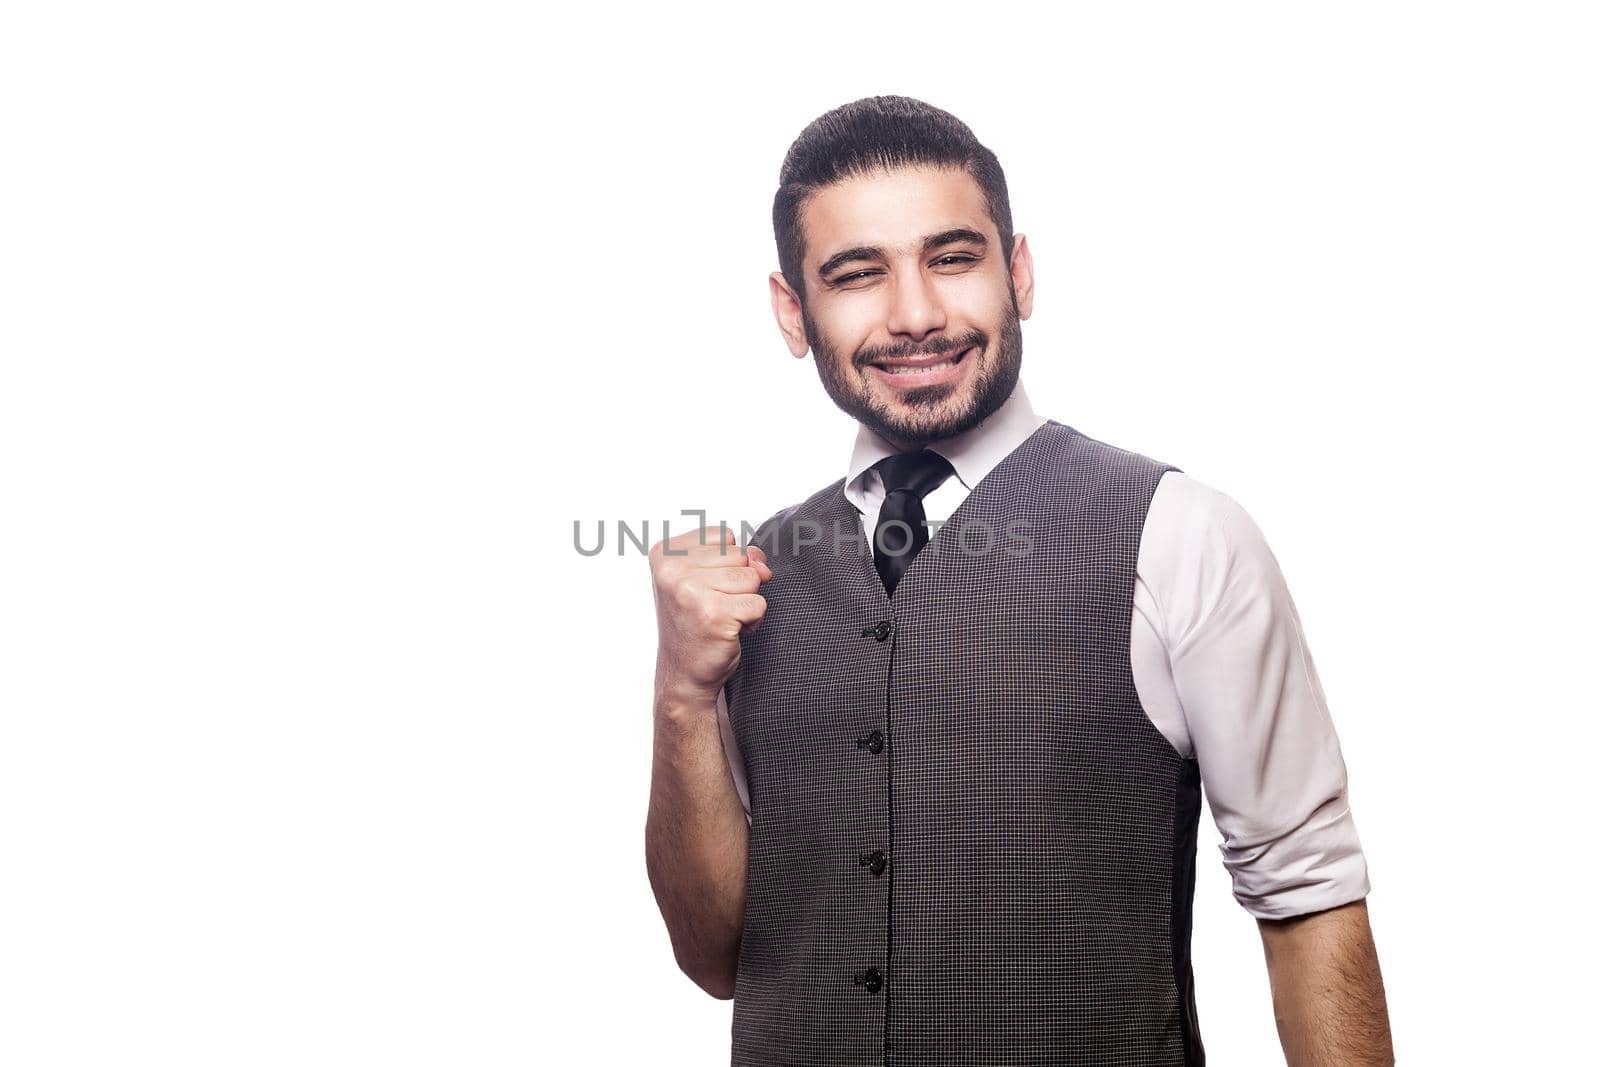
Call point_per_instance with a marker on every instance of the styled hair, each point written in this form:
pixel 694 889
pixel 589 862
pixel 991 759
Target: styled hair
pixel 873 133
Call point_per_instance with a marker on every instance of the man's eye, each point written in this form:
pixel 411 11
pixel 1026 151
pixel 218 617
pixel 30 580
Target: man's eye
pixel 953 259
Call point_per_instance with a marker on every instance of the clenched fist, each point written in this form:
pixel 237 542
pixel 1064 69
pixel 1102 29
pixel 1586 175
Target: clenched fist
pixel 706 595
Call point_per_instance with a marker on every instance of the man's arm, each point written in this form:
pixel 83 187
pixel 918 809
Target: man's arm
pixel 1327 992
pixel 696 832
pixel 696 842
pixel 1237 665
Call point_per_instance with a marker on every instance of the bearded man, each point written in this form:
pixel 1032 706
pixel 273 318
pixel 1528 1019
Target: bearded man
pixel 929 750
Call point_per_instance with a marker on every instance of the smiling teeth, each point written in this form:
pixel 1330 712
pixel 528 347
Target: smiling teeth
pixel 924 369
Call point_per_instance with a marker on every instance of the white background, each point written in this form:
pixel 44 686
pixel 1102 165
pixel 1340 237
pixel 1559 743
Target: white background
pixel 322 323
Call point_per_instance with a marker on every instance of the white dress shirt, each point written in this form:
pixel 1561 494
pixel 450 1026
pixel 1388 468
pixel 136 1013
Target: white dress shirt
pixel 1220 665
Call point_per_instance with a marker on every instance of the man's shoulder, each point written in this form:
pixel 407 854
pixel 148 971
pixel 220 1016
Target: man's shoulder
pixel 1061 462
pixel 811 509
pixel 1073 445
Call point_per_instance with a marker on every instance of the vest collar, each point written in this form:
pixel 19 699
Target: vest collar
pixel 988 503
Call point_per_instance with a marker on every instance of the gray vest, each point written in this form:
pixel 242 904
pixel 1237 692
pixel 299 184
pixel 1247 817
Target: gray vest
pixel 969 846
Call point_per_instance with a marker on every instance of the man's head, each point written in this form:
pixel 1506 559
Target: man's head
pixel 899 267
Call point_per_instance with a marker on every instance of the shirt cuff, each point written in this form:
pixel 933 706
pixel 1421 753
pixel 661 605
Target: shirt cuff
pixel 1315 866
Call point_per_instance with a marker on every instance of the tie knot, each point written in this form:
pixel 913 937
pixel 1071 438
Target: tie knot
pixel 919 473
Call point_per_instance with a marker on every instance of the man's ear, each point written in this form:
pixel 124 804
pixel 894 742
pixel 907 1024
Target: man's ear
pixel 786 309
pixel 1022 275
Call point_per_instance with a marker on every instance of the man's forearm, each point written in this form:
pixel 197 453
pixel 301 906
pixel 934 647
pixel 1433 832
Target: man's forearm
pixel 696 841
pixel 1327 992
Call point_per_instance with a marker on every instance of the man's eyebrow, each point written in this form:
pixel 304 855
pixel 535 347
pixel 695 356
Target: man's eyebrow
pixel 958 235
pixel 872 253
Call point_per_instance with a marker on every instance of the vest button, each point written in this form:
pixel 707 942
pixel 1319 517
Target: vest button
pixel 874 742
pixel 877 860
pixel 871 978
pixel 882 630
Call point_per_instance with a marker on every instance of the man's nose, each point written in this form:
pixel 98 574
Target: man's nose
pixel 914 310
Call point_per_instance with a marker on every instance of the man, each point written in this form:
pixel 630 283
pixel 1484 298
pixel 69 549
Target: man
pixel 931 796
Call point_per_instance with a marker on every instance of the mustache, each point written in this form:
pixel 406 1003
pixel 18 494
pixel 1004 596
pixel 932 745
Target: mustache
pixel 934 347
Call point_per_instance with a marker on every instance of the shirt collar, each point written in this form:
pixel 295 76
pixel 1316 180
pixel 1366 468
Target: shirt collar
pixel 973 453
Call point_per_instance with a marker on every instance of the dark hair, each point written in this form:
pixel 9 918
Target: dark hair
pixel 872 133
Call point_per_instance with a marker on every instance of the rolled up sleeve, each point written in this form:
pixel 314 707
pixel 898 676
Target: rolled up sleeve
pixel 1258 721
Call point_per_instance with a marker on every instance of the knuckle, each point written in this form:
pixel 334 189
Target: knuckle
pixel 682 594
pixel 705 609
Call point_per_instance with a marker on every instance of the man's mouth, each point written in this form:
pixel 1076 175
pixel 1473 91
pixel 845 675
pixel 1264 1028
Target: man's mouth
pixel 911 369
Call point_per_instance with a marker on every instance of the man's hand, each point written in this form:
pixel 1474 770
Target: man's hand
pixel 706 595
pixel 1327 992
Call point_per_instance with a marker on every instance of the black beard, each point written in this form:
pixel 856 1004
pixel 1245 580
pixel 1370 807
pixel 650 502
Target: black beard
pixel 994 383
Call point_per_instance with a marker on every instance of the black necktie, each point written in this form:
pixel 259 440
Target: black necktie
pixel 902 531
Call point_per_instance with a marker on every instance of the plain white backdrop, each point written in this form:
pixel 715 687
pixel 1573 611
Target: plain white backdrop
pixel 323 323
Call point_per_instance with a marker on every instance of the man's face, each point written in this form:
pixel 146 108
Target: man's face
pixel 911 309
